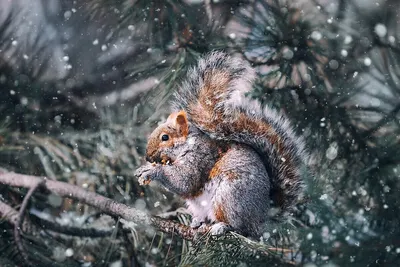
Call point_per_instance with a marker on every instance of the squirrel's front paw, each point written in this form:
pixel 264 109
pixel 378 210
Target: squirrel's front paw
pixel 145 173
pixel 219 228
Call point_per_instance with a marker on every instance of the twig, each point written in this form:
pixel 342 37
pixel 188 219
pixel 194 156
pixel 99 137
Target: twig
pixel 169 249
pixel 392 115
pixel 104 204
pixel 20 219
pixel 207 4
pixel 132 257
pixel 8 213
pixel 70 230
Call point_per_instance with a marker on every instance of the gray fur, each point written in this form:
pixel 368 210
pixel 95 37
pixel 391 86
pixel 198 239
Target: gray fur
pixel 245 198
pixel 235 102
pixel 189 171
pixel 250 169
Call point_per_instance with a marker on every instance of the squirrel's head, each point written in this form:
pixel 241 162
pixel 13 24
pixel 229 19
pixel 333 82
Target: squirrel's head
pixel 166 138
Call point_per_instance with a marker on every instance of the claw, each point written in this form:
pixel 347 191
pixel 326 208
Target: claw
pixel 143 181
pixel 196 223
pixel 219 229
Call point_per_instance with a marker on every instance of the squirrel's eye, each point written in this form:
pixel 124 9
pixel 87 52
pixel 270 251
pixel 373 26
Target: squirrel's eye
pixel 164 137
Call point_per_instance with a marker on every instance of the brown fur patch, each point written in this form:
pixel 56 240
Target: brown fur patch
pixel 260 128
pixel 193 194
pixel 216 83
pixel 220 213
pixel 218 168
pixel 178 120
pixel 175 127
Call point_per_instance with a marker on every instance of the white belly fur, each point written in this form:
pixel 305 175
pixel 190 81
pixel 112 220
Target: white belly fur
pixel 201 207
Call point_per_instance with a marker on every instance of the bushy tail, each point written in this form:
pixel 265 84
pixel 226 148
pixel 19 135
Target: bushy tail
pixel 213 96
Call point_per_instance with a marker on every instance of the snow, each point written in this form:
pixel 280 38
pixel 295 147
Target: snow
pixel 348 39
pixel 69 252
pixel 380 30
pixel 333 64
pixel 316 35
pixel 367 61
pixel 309 236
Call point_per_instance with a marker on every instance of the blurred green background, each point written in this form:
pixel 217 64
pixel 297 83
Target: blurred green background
pixel 82 83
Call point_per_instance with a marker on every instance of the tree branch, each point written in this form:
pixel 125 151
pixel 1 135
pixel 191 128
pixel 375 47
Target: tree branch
pixel 110 207
pixel 20 220
pixel 8 213
pixel 104 204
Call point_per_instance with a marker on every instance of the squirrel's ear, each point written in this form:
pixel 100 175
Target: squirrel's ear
pixel 180 122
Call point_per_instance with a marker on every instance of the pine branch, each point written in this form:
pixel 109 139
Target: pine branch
pixel 392 115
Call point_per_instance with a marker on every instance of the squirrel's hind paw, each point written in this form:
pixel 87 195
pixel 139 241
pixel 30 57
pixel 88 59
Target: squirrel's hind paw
pixel 196 223
pixel 220 228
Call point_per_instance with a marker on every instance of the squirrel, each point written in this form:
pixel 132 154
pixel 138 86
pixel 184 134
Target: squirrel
pixel 237 165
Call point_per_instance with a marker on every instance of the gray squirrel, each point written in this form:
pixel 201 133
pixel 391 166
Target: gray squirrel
pixel 233 161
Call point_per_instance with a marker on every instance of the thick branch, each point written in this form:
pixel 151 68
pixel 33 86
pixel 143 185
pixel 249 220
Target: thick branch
pixel 104 204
